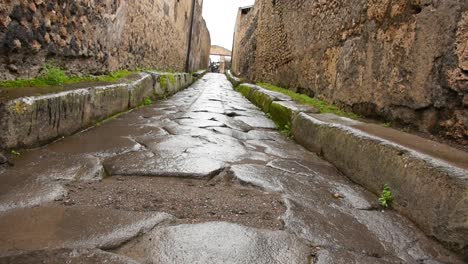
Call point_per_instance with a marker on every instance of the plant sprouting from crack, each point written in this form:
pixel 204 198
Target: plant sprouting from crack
pixel 286 131
pixel 386 198
pixel 147 101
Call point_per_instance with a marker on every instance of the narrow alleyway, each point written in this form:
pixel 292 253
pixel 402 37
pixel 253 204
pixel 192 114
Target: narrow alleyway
pixel 202 177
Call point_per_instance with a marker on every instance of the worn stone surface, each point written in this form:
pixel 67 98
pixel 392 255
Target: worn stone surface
pixel 38 177
pixel 404 61
pixel 326 217
pixel 83 227
pixel 217 242
pixel 100 36
pixel 70 256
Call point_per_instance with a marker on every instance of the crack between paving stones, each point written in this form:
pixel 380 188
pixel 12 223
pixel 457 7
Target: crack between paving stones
pixel 140 234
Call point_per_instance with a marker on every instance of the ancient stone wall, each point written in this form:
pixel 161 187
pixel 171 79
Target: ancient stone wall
pixel 201 41
pixel 97 36
pixel 403 60
pixel 244 48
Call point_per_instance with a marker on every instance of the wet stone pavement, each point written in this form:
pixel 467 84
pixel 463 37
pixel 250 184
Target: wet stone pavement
pixel 202 177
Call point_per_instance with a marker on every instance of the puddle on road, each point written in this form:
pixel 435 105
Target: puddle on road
pixel 190 200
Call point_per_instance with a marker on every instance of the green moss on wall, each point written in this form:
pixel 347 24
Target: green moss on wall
pixel 244 90
pixel 281 115
pixel 261 100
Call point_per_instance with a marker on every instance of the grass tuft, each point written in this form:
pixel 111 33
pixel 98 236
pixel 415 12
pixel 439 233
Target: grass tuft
pixel 386 198
pixel 147 101
pixel 55 76
pixel 321 105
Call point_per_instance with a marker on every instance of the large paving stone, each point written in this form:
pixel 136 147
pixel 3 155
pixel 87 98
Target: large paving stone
pixel 257 122
pixel 282 148
pixel 37 177
pixel 223 118
pixel 217 242
pixel 150 164
pixel 84 227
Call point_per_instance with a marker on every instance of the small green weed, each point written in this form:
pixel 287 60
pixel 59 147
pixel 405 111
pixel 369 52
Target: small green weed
pixel 147 101
pixel 14 152
pixel 53 75
pixel 386 198
pixel 388 124
pixel 286 131
pixel 113 76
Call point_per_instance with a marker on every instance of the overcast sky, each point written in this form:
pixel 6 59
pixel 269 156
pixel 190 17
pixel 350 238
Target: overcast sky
pixel 220 17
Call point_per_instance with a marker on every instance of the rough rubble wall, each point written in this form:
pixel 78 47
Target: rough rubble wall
pixel 403 60
pixel 97 35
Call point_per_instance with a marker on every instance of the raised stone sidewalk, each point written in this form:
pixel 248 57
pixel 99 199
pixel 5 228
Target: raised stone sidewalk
pixel 33 121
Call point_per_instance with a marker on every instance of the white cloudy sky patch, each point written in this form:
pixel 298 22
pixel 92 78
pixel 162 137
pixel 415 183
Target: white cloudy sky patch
pixel 220 17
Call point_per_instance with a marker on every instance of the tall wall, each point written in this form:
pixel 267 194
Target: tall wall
pixel 200 52
pixel 403 60
pixel 97 36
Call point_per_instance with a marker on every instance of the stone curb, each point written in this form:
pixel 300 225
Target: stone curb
pixel 430 191
pixel 199 74
pixel 282 108
pixel 233 79
pixel 33 121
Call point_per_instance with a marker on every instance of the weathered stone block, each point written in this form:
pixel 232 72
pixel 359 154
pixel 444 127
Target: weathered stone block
pixel 244 90
pixel 141 89
pixel 283 112
pixel 233 79
pixel 106 101
pixel 37 120
pixel 261 97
